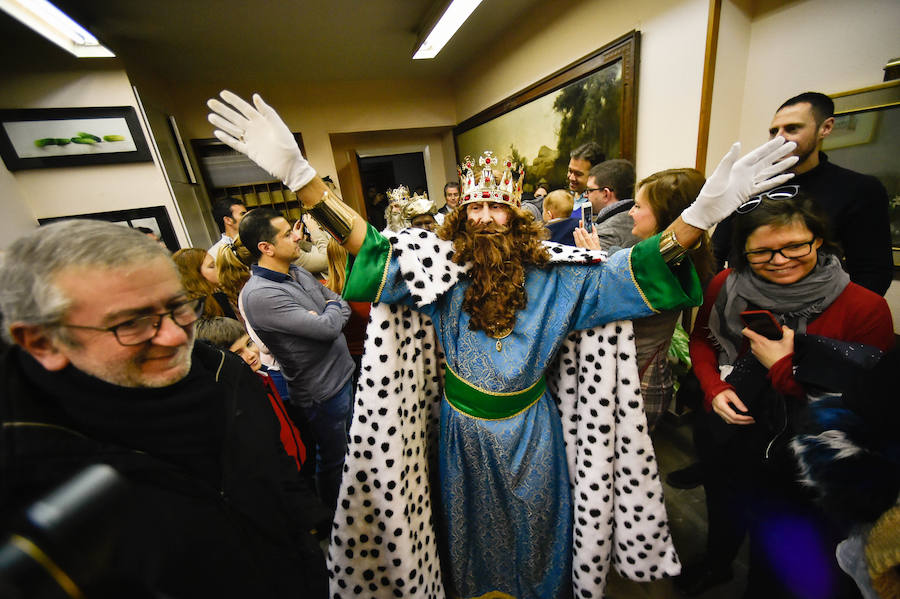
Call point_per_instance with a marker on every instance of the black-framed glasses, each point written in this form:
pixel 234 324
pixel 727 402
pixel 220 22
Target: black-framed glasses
pixel 588 190
pixel 144 328
pixel 785 192
pixel 792 251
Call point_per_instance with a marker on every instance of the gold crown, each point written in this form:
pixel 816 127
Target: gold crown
pixel 490 183
pixel 418 204
pixel 400 195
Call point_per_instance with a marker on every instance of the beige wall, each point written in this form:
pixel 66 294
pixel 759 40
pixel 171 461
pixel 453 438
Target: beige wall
pixel 673 35
pixel 317 111
pixel 780 49
pixel 18 217
pixel 821 45
pixel 730 79
pixel 85 189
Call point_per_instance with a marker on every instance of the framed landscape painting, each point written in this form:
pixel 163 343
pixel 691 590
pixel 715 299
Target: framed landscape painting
pixel 592 99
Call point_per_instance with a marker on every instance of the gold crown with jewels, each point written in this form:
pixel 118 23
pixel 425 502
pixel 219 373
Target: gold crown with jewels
pixel 400 195
pixel 492 182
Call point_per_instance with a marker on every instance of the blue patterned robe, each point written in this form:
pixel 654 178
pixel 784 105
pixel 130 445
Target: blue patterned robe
pixel 506 508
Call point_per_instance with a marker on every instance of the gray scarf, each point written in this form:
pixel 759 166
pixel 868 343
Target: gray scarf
pixel 795 304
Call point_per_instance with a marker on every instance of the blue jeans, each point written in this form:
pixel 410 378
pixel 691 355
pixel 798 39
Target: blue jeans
pixel 330 421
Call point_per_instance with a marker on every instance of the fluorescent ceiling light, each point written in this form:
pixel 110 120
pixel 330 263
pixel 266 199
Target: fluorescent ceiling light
pixel 56 26
pixel 452 19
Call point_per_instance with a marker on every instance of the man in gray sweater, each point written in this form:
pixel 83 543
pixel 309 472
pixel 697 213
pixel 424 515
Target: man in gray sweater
pixel 610 188
pixel 300 321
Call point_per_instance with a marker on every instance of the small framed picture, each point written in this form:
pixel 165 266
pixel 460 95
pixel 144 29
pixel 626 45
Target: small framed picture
pixel 53 137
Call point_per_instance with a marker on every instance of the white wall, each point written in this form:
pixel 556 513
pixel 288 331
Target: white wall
pixel 673 37
pixel 819 45
pixel 85 189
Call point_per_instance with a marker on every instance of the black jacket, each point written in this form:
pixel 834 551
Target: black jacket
pixel 179 534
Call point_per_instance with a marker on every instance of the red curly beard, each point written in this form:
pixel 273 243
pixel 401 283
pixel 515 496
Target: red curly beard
pixel 499 255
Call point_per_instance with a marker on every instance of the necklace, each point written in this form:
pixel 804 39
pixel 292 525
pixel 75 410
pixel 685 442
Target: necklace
pixel 500 337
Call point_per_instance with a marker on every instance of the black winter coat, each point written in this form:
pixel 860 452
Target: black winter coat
pixel 178 534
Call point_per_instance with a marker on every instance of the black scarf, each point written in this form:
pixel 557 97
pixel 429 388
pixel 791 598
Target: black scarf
pixel 182 423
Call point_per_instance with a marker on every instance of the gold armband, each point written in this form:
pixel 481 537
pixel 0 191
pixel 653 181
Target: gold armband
pixel 334 216
pixel 671 251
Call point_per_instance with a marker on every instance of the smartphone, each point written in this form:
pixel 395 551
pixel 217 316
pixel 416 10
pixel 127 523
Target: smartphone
pixel 587 217
pixel 762 322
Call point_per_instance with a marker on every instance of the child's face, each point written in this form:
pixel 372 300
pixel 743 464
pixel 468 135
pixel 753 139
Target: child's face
pixel 247 350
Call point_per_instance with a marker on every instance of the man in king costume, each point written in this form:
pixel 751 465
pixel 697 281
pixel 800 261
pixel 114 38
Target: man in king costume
pixel 506 363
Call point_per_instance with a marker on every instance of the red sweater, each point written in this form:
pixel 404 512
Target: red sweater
pixel 856 315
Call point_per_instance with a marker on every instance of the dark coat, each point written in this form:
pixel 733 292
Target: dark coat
pixel 178 533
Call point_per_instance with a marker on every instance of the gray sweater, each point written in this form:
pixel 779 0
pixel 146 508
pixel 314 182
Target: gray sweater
pixel 300 321
pixel 615 231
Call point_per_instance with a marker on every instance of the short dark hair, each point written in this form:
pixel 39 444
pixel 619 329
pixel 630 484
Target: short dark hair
pixel 617 175
pixel 450 184
pixel 257 226
pixel 590 151
pixel 220 331
pixel 222 208
pixel 777 213
pixel 822 105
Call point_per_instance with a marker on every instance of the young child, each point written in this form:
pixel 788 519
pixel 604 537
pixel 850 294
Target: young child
pixel 558 205
pixel 229 335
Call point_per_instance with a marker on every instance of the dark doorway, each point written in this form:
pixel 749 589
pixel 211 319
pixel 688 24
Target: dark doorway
pixel 380 173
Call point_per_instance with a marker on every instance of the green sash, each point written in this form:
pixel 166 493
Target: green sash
pixel 479 403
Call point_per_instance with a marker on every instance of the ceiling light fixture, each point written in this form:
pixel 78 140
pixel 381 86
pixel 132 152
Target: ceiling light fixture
pixel 452 19
pixel 56 26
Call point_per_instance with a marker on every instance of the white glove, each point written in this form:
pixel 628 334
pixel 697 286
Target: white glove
pixel 733 183
pixel 260 134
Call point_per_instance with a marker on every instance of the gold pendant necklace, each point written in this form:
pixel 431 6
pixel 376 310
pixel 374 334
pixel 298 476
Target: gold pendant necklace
pixel 500 338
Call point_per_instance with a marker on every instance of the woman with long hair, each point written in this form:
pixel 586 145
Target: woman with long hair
pixel 197 270
pixel 753 394
pixel 355 329
pixel 659 200
pixel 233 270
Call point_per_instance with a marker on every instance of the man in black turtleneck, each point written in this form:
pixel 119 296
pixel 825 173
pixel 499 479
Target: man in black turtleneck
pixel 855 205
pixel 104 369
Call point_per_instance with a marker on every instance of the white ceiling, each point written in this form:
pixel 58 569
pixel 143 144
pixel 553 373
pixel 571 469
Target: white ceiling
pixel 300 40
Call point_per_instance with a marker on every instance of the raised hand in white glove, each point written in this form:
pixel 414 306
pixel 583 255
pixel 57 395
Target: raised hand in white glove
pixel 735 181
pixel 259 132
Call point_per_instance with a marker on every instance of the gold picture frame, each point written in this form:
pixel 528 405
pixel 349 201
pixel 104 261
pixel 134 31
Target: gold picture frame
pixel 866 138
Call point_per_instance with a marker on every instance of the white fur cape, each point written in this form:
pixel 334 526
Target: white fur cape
pixel 384 545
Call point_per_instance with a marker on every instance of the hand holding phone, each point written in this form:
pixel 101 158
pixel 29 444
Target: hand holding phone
pixel 762 322
pixel 587 217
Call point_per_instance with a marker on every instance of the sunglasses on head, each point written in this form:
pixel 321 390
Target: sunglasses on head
pixel 785 192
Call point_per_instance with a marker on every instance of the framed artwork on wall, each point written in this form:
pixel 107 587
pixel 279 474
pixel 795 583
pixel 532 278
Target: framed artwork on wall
pixel 592 99
pixel 53 137
pixel 154 218
pixel 866 138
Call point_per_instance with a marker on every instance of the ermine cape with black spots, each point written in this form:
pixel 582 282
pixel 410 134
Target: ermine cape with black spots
pixel 384 542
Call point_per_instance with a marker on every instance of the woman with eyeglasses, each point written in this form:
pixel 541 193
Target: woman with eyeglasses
pixel 753 396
